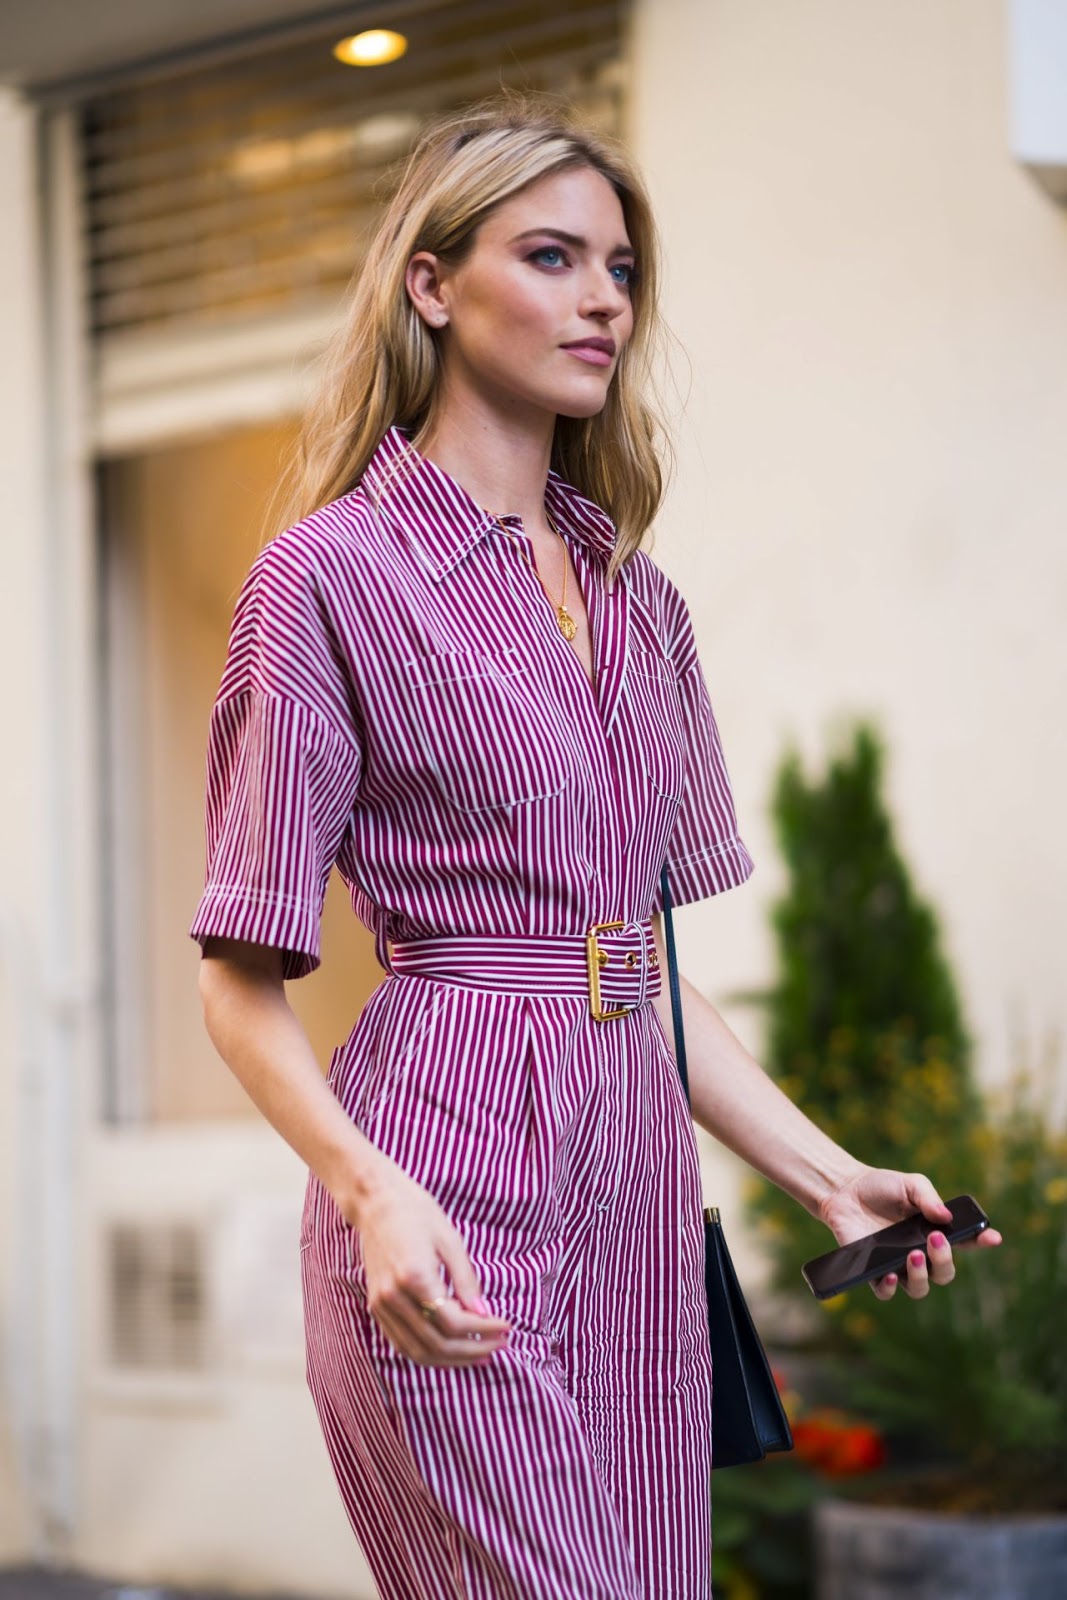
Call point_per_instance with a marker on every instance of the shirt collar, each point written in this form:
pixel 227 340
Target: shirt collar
pixel 444 523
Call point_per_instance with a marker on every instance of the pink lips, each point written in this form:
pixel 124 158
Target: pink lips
pixel 590 353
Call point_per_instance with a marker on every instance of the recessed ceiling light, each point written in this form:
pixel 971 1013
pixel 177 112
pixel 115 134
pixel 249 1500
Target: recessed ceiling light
pixel 372 48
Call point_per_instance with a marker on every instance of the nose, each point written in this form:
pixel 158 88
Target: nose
pixel 604 295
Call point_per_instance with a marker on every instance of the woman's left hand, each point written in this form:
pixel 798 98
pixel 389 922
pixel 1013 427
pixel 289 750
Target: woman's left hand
pixel 876 1196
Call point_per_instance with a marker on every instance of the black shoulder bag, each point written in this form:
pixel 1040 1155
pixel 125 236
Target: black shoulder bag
pixel 748 1418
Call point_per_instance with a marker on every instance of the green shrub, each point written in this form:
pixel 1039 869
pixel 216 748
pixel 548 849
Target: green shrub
pixel 865 1032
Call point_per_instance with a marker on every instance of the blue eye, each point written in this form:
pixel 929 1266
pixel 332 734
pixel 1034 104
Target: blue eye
pixel 557 250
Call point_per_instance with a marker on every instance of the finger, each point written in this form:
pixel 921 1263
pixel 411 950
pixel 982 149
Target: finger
pixel 942 1267
pixel 468 1290
pixel 917 1283
pixel 411 1330
pixel 922 1194
pixel 407 1330
pixel 410 1342
pixel 455 1322
pixel 983 1240
pixel 885 1288
pixel 415 1336
pixel 458 1330
pixel 451 1318
pixel 450 1330
pixel 403 1336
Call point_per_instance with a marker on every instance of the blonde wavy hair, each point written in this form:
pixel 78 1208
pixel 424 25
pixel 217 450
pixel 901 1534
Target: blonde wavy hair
pixel 382 365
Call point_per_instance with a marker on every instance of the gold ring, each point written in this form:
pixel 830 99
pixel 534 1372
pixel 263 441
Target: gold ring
pixel 430 1306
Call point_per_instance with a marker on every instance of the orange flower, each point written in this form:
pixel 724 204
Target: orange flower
pixel 813 1441
pixel 837 1447
pixel 860 1449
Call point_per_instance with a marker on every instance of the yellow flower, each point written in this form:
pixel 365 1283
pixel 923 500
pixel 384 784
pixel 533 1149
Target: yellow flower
pixel 792 1403
pixel 740 1587
pixel 1056 1191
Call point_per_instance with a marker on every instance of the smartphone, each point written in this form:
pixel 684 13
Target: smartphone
pixel 888 1249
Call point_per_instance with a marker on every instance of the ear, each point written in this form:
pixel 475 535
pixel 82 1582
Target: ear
pixel 423 281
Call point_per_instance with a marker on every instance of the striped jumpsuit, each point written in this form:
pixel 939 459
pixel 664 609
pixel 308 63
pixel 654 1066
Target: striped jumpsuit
pixel 398 701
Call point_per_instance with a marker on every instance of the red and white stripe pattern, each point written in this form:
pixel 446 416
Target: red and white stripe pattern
pixel 398 701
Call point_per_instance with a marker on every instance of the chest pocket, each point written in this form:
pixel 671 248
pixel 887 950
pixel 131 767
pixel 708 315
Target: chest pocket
pixel 659 718
pixel 488 739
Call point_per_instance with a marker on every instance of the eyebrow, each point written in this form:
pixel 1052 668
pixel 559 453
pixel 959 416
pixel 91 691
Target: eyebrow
pixel 572 238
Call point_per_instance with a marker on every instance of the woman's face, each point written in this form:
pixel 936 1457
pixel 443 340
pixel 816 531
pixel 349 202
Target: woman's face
pixel 550 267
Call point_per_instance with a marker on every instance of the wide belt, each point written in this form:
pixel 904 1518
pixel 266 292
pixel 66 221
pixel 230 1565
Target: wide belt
pixel 613 964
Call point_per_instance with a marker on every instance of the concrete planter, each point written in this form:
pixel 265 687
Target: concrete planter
pixel 889 1553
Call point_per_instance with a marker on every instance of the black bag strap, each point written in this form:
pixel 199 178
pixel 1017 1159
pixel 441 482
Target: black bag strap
pixel 750 1417
pixel 675 986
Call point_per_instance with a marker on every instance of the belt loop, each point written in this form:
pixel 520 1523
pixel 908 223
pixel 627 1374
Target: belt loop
pixel 381 943
pixel 642 961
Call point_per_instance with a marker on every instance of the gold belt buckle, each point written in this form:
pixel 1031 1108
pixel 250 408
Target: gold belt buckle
pixel 595 959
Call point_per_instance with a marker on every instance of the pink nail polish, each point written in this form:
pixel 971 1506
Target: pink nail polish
pixel 937 1240
pixel 916 1258
pixel 481 1307
pixel 891 1278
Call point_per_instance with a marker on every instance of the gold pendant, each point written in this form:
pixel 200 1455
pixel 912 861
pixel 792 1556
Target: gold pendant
pixel 567 625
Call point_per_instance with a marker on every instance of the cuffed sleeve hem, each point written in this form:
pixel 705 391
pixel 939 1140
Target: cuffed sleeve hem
pixel 705 872
pixel 280 921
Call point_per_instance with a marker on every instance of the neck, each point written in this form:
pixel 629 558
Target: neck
pixel 501 462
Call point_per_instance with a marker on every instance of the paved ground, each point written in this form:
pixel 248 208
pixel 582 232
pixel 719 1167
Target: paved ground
pixel 34 1583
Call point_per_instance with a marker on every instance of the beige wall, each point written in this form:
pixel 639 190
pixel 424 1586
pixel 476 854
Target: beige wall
pixel 50 959
pixel 185 524
pixel 869 512
pixel 219 1477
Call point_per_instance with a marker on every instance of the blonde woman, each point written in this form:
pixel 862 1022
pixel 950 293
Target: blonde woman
pixel 457 676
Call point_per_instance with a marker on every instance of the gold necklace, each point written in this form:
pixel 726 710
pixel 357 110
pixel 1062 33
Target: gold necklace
pixel 564 621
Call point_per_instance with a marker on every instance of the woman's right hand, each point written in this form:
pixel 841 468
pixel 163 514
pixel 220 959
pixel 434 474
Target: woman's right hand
pixel 404 1235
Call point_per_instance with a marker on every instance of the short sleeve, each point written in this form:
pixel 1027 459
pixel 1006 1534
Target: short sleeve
pixel 706 853
pixel 283 766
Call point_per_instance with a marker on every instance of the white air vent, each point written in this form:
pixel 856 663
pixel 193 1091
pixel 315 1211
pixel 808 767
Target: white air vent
pixel 156 1298
pixel 245 190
